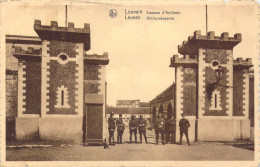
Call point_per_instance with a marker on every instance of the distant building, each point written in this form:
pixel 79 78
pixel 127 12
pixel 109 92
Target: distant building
pixel 130 104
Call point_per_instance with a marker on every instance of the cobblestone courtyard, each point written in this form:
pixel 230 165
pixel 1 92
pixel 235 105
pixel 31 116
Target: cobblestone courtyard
pixel 127 152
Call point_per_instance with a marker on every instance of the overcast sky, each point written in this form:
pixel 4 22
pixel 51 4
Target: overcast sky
pixel 140 51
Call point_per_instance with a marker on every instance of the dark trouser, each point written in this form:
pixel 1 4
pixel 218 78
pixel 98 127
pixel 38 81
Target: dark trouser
pixel 144 133
pixel 119 136
pixel 131 133
pixel 111 136
pixel 170 136
pixel 186 134
pixel 157 135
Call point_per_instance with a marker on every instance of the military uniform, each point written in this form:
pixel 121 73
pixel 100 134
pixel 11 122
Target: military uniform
pixel 170 129
pixel 133 124
pixel 159 128
pixel 120 129
pixel 184 124
pixel 111 129
pixel 142 129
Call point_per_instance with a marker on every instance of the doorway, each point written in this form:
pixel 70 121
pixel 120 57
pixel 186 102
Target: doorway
pixel 93 122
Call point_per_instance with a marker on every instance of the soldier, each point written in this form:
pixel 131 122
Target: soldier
pixel 184 125
pixel 133 124
pixel 170 128
pixel 159 127
pixel 111 128
pixel 120 128
pixel 142 128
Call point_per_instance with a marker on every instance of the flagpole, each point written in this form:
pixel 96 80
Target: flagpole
pixel 206 19
pixel 66 16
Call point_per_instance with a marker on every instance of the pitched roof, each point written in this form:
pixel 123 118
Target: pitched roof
pixel 139 110
pixel 144 104
pixel 167 93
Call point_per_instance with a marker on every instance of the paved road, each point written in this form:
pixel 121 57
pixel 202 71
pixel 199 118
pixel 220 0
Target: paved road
pixel 127 151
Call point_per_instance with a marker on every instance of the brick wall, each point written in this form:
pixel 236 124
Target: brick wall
pixel 11 61
pixel 92 79
pixel 57 47
pixel 12 80
pixel 189 91
pixel 238 92
pixel 210 73
pixel 33 87
pixel 222 56
pixel 62 75
pixel 216 54
pixel 11 95
pixel 251 101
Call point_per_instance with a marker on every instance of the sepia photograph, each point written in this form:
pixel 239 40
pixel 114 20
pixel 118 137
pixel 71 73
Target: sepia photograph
pixel 122 83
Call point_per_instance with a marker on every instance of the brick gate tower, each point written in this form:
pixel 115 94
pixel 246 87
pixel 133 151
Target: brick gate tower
pixel 61 89
pixel 212 89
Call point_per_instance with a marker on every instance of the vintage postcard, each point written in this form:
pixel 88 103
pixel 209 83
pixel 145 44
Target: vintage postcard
pixel 111 83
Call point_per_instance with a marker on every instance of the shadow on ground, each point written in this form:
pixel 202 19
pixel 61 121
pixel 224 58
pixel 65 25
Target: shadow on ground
pixel 244 144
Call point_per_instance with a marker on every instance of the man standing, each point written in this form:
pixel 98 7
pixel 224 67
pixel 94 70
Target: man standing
pixel 170 128
pixel 120 129
pixel 184 124
pixel 111 128
pixel 133 124
pixel 142 128
pixel 159 127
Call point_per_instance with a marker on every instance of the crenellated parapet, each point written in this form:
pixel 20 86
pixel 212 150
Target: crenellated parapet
pixel 176 60
pixel 21 53
pixel 54 27
pixel 209 41
pixel 70 33
pixel 96 59
pixel 240 62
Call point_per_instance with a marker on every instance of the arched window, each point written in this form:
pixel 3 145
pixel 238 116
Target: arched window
pixel 215 100
pixel 62 97
pixel 161 109
pixel 169 110
pixel 154 114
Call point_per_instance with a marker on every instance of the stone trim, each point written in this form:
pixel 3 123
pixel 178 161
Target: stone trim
pixel 179 91
pixel 201 83
pixel 65 97
pixel 245 93
pixel 63 116
pixel 63 61
pixel 212 101
pixel 101 81
pixel 79 92
pixel 45 78
pixel 68 59
pixel 29 116
pixel 21 88
pixel 229 94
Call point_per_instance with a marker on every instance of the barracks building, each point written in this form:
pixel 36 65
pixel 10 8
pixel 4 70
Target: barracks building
pixel 211 88
pixel 61 88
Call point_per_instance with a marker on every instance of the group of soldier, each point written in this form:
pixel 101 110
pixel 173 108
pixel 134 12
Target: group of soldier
pixel 165 127
pixel 134 124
